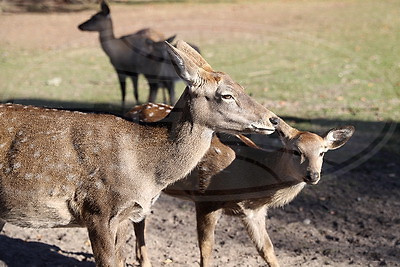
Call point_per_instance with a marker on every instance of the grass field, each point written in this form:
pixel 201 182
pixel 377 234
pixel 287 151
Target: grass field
pixel 329 59
pixel 323 63
pixel 317 63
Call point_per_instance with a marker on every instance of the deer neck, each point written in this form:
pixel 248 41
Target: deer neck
pixel 187 141
pixel 106 37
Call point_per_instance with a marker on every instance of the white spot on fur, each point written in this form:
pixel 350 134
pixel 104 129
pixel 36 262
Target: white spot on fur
pixel 217 150
pixel 168 110
pixel 99 184
pixel 71 176
pixel 36 154
pixel 151 114
pixel 17 165
pixel 3 145
pixel 11 129
pixel 28 175
pixel 161 108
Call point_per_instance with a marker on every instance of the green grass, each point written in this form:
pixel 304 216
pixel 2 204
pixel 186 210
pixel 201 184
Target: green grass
pixel 340 62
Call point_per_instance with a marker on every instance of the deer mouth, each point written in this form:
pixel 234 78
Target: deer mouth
pixel 310 182
pixel 260 128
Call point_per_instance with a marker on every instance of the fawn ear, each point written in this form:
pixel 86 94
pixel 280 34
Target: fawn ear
pixel 104 8
pixel 170 39
pixel 285 131
pixel 194 55
pixel 185 67
pixel 337 137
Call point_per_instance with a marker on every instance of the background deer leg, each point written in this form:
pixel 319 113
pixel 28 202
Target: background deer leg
pixel 255 226
pixel 207 218
pixel 134 77
pixel 153 91
pixel 141 249
pixel 171 91
pixel 122 84
pixel 2 223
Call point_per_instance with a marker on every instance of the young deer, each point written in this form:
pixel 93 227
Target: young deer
pixel 63 169
pixel 255 181
pixel 130 55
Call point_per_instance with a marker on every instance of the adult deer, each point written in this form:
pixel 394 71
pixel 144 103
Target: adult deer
pixel 255 181
pixel 131 55
pixel 62 169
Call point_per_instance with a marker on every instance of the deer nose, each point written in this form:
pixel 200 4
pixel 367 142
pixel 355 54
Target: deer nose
pixel 312 177
pixel 274 121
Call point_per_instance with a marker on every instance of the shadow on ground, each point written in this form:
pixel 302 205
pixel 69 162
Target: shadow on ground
pixel 16 252
pixel 352 214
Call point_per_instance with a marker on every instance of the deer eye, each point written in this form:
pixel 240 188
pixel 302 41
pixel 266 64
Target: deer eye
pixel 321 154
pixel 227 97
pixel 296 153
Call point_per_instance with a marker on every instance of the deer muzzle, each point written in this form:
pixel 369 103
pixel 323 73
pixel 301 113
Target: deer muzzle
pixel 312 177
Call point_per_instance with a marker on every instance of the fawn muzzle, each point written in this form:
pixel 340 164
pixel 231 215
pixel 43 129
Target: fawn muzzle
pixel 312 177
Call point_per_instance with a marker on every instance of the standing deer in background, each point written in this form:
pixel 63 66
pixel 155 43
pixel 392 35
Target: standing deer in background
pixel 63 169
pixel 130 55
pixel 245 189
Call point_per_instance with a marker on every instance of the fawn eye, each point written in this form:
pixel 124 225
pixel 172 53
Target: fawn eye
pixel 296 153
pixel 321 154
pixel 227 97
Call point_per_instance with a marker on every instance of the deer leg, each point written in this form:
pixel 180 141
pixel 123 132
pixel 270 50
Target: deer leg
pixel 141 249
pixel 120 243
pixel 2 223
pixel 164 93
pixel 171 91
pixel 206 220
pixel 153 91
pixel 134 78
pixel 122 84
pixel 103 242
pixel 255 226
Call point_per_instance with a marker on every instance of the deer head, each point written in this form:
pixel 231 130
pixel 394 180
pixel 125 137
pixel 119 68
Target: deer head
pixel 216 101
pixel 305 150
pixel 100 21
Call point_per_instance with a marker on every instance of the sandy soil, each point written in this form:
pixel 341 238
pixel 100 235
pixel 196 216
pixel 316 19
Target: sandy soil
pixel 351 219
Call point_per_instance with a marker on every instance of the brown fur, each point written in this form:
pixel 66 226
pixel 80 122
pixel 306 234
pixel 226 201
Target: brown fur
pixel 62 169
pixel 284 179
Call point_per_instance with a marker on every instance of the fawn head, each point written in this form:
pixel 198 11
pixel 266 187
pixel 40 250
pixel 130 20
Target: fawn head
pixel 215 100
pixel 305 150
pixel 100 21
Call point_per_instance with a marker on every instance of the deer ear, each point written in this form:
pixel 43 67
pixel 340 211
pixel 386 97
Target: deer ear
pixel 337 137
pixel 170 39
pixel 285 131
pixel 104 8
pixel 184 66
pixel 194 55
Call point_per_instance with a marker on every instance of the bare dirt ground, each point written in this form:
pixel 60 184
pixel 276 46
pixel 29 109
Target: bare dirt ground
pixel 352 219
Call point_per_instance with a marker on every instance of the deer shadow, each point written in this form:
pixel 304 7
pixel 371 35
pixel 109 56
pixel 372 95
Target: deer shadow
pixel 16 252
